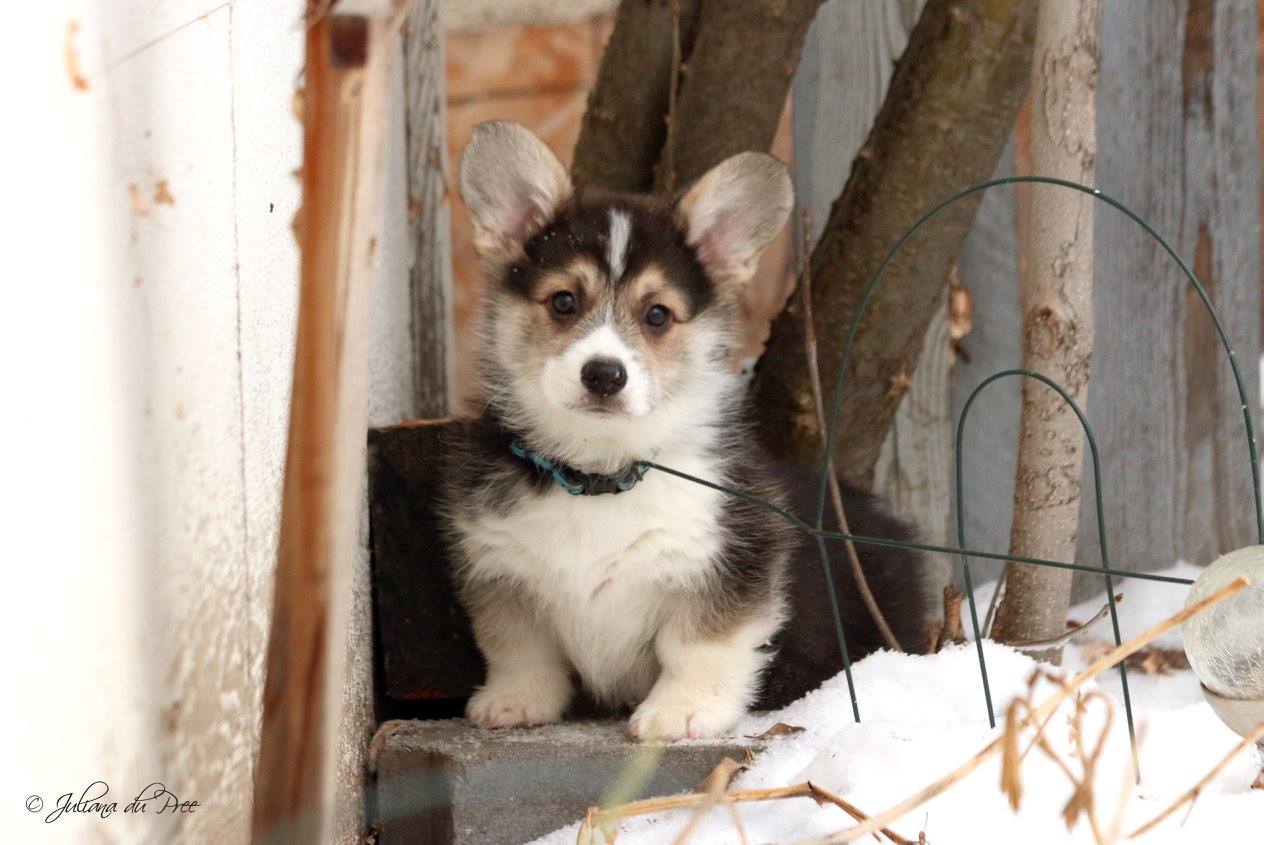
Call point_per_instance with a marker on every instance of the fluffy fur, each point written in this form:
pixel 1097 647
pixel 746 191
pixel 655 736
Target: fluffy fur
pixel 664 598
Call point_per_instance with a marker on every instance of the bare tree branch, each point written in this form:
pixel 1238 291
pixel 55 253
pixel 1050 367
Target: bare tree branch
pixel 731 95
pixel 947 114
pixel 624 126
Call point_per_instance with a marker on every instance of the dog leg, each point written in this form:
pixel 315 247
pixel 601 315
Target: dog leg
pixel 528 678
pixel 705 684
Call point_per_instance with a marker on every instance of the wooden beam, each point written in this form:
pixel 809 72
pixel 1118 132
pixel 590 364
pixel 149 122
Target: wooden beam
pixel 347 58
pixel 429 215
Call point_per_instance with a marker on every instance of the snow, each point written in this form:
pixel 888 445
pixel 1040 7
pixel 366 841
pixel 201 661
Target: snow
pixel 922 716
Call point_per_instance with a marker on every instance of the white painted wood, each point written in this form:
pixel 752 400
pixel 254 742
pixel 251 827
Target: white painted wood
pixel 267 51
pixel 152 344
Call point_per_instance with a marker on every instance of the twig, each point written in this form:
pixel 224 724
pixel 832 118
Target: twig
pixel 1036 715
pixel 836 494
pixel 950 630
pixel 1190 795
pixel 597 817
pixel 669 145
pixel 997 591
pixel 716 783
pixel 1127 783
pixel 737 822
pixel 1062 639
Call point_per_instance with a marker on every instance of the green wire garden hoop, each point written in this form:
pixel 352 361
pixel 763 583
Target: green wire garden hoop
pixel 964 554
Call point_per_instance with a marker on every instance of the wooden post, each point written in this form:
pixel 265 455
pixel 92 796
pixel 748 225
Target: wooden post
pixel 429 215
pixel 347 59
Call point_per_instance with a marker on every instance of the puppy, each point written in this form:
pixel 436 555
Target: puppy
pixel 608 341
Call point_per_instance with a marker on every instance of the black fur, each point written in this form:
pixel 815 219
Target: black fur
pixel 806 648
pixel 900 580
pixel 581 227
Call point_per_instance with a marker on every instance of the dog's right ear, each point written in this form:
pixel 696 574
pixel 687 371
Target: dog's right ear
pixel 512 185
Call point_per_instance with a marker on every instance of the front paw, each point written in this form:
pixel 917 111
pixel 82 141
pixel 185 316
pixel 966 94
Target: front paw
pixel 666 719
pixel 517 703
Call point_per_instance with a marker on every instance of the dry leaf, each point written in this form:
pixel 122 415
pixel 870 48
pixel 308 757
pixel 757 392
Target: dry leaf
pixel 899 383
pixel 779 729
pixel 960 313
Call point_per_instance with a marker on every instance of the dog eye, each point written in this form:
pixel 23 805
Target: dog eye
pixel 564 302
pixel 657 316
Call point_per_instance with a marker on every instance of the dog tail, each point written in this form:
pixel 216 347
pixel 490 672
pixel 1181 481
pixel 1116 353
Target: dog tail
pixel 906 585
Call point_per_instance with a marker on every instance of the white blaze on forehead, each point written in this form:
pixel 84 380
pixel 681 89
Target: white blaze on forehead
pixel 620 235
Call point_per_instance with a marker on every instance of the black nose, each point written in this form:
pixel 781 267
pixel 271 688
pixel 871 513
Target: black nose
pixel 604 376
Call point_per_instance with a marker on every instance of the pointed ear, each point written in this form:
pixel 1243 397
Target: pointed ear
pixel 512 185
pixel 734 210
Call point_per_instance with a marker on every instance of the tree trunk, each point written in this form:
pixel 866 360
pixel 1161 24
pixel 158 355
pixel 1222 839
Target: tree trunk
pixel 942 127
pixel 731 96
pixel 1057 306
pixel 625 123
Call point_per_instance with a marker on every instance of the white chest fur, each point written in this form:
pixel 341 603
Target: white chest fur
pixel 604 570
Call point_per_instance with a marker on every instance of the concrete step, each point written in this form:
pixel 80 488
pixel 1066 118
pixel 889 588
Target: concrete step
pixel 448 782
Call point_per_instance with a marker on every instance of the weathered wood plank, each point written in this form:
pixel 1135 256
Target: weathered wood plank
pixel 347 61
pixel 1176 125
pixel 428 212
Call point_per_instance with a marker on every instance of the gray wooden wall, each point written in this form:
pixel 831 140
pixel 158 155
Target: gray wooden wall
pixel 1178 143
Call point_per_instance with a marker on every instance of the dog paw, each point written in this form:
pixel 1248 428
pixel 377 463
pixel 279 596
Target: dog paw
pixel 512 705
pixel 668 720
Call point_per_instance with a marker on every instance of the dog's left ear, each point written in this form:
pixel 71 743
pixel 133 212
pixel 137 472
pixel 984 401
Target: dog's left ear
pixel 734 210
pixel 512 185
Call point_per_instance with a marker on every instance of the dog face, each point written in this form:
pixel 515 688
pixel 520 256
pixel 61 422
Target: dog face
pixel 608 312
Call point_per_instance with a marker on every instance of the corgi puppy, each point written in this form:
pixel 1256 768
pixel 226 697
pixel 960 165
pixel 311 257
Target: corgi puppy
pixel 608 337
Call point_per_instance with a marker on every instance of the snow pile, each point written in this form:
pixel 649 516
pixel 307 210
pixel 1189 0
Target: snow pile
pixel 925 715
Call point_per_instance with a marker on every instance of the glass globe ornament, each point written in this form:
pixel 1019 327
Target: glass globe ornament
pixel 1225 643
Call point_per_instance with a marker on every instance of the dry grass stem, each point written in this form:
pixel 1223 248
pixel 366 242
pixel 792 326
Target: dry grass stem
pixel 713 787
pixel 1127 783
pixel 604 819
pixel 1036 715
pixel 1191 794
pixel 836 494
pixel 737 822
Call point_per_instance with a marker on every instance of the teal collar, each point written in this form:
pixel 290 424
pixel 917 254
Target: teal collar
pixel 576 482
